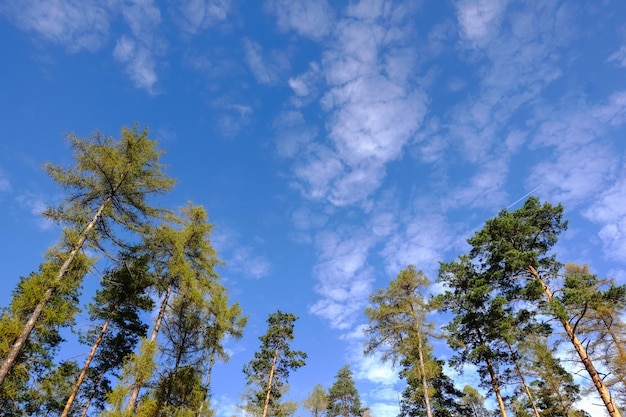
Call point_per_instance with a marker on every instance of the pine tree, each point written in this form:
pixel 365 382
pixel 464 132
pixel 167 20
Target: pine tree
pixel 513 252
pixel 107 191
pixel 267 373
pixel 117 305
pixel 343 397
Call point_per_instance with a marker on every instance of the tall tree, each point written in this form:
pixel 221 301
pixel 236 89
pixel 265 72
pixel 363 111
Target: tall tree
pixel 516 245
pixel 474 402
pixel 183 260
pixel 117 305
pixel 107 190
pixel 343 397
pixel 35 359
pixel 267 372
pixel 473 332
pixel 398 325
pixel 317 401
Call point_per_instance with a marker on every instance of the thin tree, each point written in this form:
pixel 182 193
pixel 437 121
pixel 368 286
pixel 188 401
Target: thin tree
pixel 398 325
pixel 107 187
pixel 268 371
pixel 317 401
pixel 118 303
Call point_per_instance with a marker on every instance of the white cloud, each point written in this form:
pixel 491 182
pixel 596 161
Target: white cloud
pixel 343 276
pixel 266 68
pixel 373 111
pixel 293 133
pixel 36 206
pixel 480 19
pixel 610 212
pixel 421 241
pixel 309 18
pixel 138 51
pixel 239 257
pixel 194 16
pixel 73 24
pixel 619 57
pixel 5 184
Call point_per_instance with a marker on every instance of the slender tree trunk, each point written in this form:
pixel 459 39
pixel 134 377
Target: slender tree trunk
pixel 496 387
pixel 420 354
pixel 521 377
pixel 582 353
pixel 132 402
pixel 17 346
pixel 269 384
pixel 93 394
pixel 207 384
pixel 83 372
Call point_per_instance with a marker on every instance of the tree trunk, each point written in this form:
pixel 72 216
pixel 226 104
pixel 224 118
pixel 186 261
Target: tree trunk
pixel 207 384
pixel 582 353
pixel 83 372
pixel 521 377
pixel 496 387
pixel 269 384
pixel 93 394
pixel 132 402
pixel 17 346
pixel 420 354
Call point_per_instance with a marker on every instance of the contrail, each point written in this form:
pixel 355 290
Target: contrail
pixel 525 195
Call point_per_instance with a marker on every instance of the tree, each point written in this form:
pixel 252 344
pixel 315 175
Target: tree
pixel 474 402
pixel 183 261
pixel 343 397
pixel 35 359
pixel 513 251
pixel 398 325
pixel 117 304
pixel 267 373
pixel 473 332
pixel 107 190
pixel 317 401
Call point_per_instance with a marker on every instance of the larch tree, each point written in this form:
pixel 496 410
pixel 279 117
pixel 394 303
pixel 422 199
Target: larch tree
pixel 513 250
pixel 267 373
pixel 183 261
pixel 107 191
pixel 398 327
pixel 35 359
pixel 343 397
pixel 317 401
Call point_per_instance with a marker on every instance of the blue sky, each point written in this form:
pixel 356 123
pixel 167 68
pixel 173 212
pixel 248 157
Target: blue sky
pixel 332 143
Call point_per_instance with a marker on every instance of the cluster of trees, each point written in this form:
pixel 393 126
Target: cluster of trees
pixel 155 259
pixel 509 304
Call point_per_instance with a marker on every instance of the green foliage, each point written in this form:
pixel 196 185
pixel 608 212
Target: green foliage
pixel 343 397
pixel 317 401
pixel 274 358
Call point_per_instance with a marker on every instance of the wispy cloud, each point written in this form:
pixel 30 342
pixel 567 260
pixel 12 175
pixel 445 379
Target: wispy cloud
pixel 309 18
pixel 343 276
pixel 5 184
pixel 619 57
pixel 72 24
pixel 373 109
pixel 267 68
pixel 239 257
pixel 479 20
pixel 194 16
pixel 610 211
pixel 36 205
pixel 138 51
